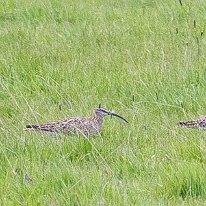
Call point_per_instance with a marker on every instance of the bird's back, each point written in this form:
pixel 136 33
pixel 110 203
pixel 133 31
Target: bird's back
pixel 198 123
pixel 77 125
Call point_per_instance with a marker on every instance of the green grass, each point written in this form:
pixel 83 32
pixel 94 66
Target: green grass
pixel 145 59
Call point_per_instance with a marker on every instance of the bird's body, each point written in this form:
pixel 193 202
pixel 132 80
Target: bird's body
pixel 75 125
pixel 84 126
pixel 197 123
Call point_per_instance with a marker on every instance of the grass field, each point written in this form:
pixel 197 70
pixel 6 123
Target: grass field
pixel 143 58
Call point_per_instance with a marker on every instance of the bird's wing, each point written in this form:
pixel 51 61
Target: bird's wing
pixel 200 122
pixel 66 125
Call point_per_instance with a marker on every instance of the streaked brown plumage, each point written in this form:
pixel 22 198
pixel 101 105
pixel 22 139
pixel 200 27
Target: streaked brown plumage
pixel 198 123
pixel 85 125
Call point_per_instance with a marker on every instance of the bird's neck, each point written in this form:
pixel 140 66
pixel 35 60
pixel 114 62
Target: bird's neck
pixel 98 118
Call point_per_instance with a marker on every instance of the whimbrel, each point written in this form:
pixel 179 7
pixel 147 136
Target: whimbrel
pixel 77 125
pixel 198 123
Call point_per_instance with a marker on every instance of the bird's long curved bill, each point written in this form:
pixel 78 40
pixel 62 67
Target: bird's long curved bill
pixel 116 115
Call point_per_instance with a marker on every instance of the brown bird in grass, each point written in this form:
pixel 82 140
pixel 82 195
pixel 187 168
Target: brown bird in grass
pixel 78 125
pixel 198 123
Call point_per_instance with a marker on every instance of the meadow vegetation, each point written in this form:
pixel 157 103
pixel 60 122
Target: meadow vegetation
pixel 145 59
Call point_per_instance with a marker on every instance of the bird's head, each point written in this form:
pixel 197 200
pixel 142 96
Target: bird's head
pixel 101 112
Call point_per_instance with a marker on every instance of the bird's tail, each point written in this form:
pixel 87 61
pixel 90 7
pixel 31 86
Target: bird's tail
pixel 31 128
pixel 190 124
